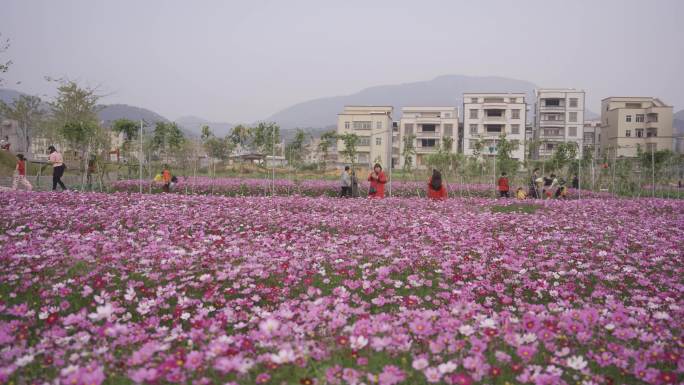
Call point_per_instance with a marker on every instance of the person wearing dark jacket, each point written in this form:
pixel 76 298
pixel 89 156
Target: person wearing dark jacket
pixel 436 189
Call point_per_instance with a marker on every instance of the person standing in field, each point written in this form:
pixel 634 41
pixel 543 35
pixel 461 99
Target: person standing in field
pixel 377 181
pixel 58 168
pixel 503 186
pixel 534 192
pixel 346 183
pixel 20 174
pixel 354 185
pixel 166 179
pixel 575 181
pixel 436 189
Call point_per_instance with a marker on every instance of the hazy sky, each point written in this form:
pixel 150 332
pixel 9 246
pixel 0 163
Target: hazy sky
pixel 244 60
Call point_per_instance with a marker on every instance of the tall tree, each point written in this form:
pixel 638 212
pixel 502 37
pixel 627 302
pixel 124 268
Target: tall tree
pixel 408 151
pixel 74 114
pixel 166 138
pixel 4 66
pixel 328 139
pixel 240 136
pixel 296 150
pixel 349 152
pixel 265 136
pixel 28 114
pixel 216 148
pixel 504 152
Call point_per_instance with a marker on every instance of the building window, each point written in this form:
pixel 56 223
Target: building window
pixel 473 114
pixel 346 125
pixel 515 129
pixel 408 128
pixel 378 141
pixel 449 130
pixel 549 146
pixel 639 118
pixel 473 128
pixel 651 132
pixel 364 141
pixel 473 100
pixel 628 118
pixel 573 102
pixel 428 142
pixel 573 117
pixel 652 118
pixel 639 132
pixel 494 128
pixel 494 100
pixel 428 128
pixel 515 114
pixel 628 133
pixel 494 113
pixel 572 131
pixel 363 125
pixel 378 125
pixel 552 102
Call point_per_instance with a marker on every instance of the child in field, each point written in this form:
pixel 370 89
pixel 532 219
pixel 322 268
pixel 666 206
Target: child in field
pixel 520 194
pixel 20 174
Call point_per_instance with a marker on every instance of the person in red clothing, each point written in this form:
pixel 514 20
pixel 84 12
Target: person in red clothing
pixel 503 187
pixel 20 174
pixel 377 181
pixel 166 178
pixel 436 189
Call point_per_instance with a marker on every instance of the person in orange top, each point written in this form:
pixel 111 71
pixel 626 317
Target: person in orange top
pixel 20 174
pixel 166 179
pixel 436 189
pixel 503 187
pixel 377 181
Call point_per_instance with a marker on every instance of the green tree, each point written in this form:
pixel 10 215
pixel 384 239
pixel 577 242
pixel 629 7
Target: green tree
pixel 328 138
pixel 349 152
pixel 166 138
pixel 504 150
pixel 265 136
pixel 563 154
pixel 74 114
pixel 408 151
pixel 216 148
pixel 240 135
pixel 4 67
pixel 129 129
pixel 28 114
pixel 296 150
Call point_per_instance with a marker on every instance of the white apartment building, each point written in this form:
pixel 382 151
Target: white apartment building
pixel 486 116
pixel 631 122
pixel 592 138
pixel 559 117
pixel 428 126
pixel 373 125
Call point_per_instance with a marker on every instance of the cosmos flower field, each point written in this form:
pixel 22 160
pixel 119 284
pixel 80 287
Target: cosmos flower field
pixel 202 289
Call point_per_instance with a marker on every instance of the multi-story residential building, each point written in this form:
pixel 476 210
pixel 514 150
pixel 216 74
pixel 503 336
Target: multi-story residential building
pixel 628 123
pixel 373 125
pixel 486 116
pixel 559 117
pixel 592 138
pixel 429 126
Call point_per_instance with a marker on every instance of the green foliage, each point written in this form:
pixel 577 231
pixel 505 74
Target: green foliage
pixel 350 142
pixel 217 148
pixel 4 67
pixel 166 137
pixel 563 154
pixel 26 111
pixel 327 140
pixel 128 127
pixel 444 160
pixel 240 135
pixel 408 151
pixel 504 150
pixel 296 149
pixel 265 136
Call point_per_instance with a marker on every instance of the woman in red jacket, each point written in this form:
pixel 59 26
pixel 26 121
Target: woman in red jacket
pixel 436 189
pixel 377 181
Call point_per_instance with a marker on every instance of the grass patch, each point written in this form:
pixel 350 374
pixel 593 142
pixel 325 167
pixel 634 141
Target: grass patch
pixel 515 208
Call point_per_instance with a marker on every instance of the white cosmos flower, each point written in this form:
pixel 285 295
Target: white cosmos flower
pixel 102 312
pixel 466 330
pixel 359 342
pixel 576 362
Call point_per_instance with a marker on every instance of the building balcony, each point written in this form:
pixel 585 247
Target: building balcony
pixel 426 150
pixel 493 133
pixel 554 138
pixel 428 134
pixel 551 123
pixel 551 108
pixel 493 118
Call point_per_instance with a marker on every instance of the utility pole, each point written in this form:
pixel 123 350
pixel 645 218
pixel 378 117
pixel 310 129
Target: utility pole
pixel 141 157
pixel 653 171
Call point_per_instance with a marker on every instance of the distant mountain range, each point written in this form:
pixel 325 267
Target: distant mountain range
pixel 441 91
